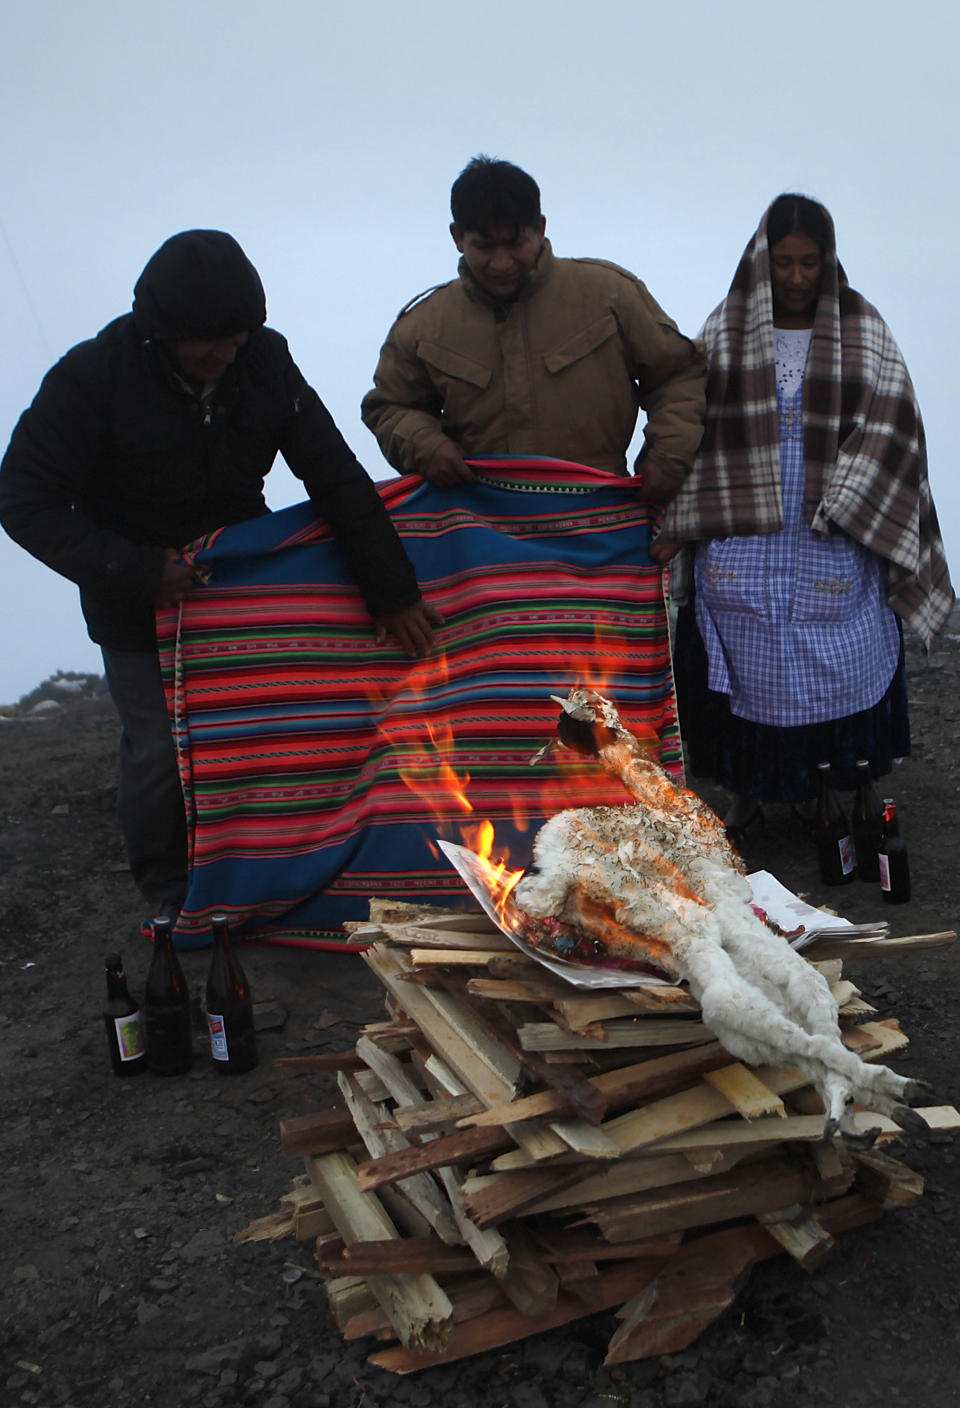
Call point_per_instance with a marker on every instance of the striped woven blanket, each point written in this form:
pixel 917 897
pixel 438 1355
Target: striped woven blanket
pixel 319 769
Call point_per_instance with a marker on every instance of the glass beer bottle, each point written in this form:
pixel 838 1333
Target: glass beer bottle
pixel 867 824
pixel 166 1007
pixel 893 862
pixel 122 1021
pixel 233 1043
pixel 834 843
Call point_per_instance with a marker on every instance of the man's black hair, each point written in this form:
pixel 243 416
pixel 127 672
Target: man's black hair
pixel 489 193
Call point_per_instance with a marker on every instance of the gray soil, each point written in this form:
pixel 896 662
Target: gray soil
pixel 120 1283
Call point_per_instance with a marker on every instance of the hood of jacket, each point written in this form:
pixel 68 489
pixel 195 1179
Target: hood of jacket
pixel 199 284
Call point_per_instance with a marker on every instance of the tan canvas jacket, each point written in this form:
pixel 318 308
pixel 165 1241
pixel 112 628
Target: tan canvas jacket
pixel 562 371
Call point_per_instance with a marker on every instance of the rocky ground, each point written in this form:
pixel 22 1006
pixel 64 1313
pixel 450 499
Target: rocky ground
pixel 120 1283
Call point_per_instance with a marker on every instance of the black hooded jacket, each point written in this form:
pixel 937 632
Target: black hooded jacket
pixel 117 458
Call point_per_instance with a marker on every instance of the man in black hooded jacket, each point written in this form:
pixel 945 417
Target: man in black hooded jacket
pixel 156 431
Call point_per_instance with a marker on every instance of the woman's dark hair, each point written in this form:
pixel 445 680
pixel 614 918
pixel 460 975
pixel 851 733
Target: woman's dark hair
pixel 798 215
pixel 490 193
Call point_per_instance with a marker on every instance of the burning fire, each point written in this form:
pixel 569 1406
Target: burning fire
pixel 499 879
pixel 438 784
pixel 428 769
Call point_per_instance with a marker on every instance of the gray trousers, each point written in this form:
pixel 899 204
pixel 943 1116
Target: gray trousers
pixel 150 800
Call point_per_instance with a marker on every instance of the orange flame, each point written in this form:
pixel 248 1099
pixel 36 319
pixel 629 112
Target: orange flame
pixel 428 768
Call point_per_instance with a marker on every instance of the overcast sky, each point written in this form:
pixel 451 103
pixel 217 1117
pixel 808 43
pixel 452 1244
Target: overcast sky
pixel 326 142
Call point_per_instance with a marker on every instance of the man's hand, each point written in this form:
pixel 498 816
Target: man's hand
pixel 176 581
pixel 446 467
pixel 410 628
pixel 656 485
pixel 664 549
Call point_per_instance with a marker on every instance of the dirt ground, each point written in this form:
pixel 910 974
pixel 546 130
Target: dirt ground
pixel 120 1283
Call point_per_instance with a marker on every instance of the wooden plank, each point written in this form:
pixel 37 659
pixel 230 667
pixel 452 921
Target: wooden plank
pixel 691 1109
pixel 272 1227
pixel 835 1169
pixel 535 990
pixel 395 1034
pixel 800 1235
pixel 579 1012
pixel 349 1296
pixel 406 1256
pixel 690 1292
pixel 420 1190
pixel 586 1102
pixel 638 1031
pixel 485 1069
pixel 581 1280
pixel 659 1120
pixel 300 1206
pixel 437 1116
pixel 865 950
pixel 529 1283
pixel 748 1095
pixel 492 1198
pixel 636 1176
pixel 319 1133
pixel 486 1244
pixel 505 1326
pixel 404 912
pixel 481 1063
pixel 754 1188
pixel 886 1181
pixel 464 921
pixel 394 1075
pixel 687 1296
pixel 417 1307
pixel 465 957
pixel 311 1223
pixel 791 1128
pixel 856 1009
pixel 371 1085
pixel 562 1246
pixel 488 1247
pixel 661 999
pixel 439 1078
pixel 470 1297
pixel 624 1087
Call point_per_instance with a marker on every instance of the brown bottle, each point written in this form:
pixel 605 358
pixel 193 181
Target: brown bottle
pixel 834 843
pixel 122 1021
pixel 233 1043
pixel 867 824
pixel 894 866
pixel 166 1007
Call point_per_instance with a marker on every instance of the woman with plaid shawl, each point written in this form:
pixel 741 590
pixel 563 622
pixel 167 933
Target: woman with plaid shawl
pixel 814 530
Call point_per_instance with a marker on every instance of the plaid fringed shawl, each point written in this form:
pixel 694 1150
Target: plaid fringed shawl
pixel 295 731
pixel 866 466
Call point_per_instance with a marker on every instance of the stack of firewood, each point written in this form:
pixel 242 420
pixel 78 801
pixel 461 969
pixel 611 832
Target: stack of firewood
pixel 513 1152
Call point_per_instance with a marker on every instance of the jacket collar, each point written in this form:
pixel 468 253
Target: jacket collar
pixel 531 285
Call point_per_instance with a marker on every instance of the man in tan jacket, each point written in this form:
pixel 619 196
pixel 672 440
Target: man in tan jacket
pixel 528 354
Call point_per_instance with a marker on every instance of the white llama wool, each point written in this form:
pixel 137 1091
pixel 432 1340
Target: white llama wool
pixel 656 880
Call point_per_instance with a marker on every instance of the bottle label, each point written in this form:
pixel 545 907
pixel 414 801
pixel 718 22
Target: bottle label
pixel 847 859
pixel 129 1035
pixel 218 1037
pixel 884 872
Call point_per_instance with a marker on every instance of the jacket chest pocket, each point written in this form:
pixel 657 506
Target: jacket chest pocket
pixel 581 345
pixel 451 371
